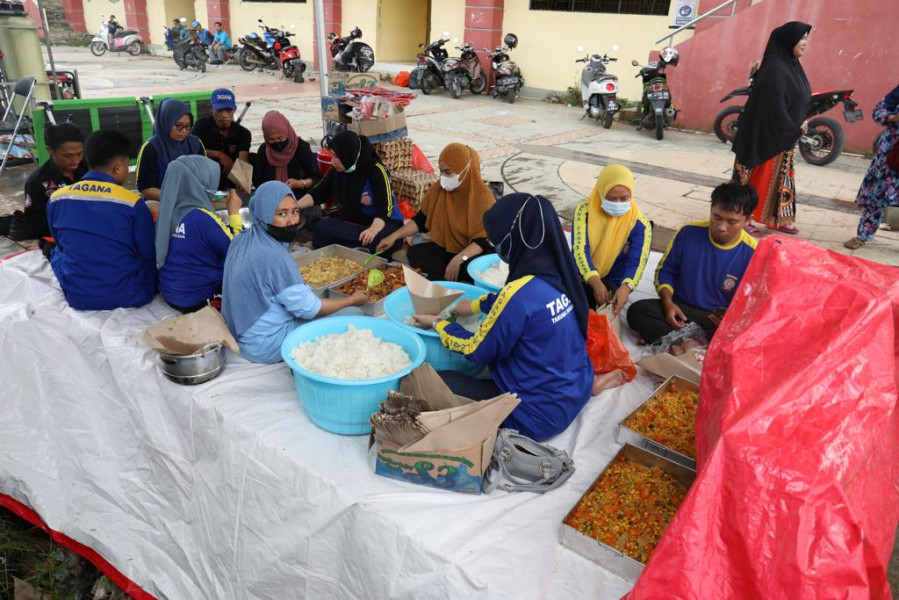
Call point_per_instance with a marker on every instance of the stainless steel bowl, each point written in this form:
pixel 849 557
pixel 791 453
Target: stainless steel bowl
pixel 191 369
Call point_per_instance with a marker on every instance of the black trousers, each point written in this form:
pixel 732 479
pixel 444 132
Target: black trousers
pixel 469 387
pixel 647 318
pixel 591 299
pixel 432 260
pixel 335 230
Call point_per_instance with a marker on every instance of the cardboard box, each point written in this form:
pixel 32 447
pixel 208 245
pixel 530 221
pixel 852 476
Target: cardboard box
pixel 458 444
pixel 339 82
pixel 687 366
pixel 382 130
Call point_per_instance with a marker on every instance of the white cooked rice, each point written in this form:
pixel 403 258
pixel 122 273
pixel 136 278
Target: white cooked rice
pixel 496 274
pixel 356 354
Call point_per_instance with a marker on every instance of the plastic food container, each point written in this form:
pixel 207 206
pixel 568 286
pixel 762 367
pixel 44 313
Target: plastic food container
pixel 372 309
pixel 344 406
pixel 398 305
pixel 481 264
pixel 338 251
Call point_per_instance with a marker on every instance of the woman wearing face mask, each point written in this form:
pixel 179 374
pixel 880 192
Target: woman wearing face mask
pixel 534 334
pixel 191 242
pixel 611 239
pixel 367 210
pixel 171 138
pixel 283 156
pixel 453 213
pixel 264 297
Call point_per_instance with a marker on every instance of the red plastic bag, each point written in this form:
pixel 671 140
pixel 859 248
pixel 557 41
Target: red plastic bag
pixel 606 351
pixel 402 79
pixel 406 209
pixel 797 438
pixel 420 161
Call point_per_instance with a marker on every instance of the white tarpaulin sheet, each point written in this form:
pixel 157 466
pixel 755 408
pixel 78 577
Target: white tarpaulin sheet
pixel 227 490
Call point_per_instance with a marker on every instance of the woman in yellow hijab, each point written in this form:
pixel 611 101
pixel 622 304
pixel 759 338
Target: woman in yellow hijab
pixel 452 212
pixel 611 239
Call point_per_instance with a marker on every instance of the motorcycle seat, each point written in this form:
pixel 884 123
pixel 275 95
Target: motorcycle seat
pixel 124 32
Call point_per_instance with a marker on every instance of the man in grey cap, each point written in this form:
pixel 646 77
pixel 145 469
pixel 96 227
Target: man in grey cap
pixel 225 141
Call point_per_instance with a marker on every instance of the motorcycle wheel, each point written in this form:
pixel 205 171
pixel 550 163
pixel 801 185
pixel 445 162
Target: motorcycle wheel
pixel 660 128
pixel 201 66
pixel 479 85
pixel 510 95
pixel 427 84
pixel 726 123
pixel 298 77
pixel 831 137
pixel 245 60
pixel 98 49
pixel 455 87
pixel 607 120
pixel 133 48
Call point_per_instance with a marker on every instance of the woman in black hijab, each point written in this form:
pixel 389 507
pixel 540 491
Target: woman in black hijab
pixel 533 337
pixel 772 122
pixel 367 210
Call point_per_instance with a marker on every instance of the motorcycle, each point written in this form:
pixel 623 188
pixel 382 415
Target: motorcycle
pixel 190 53
pixel 349 55
pixel 274 51
pixel 599 89
pixel 507 79
pixel 823 141
pixel 657 111
pixel 125 40
pixel 464 72
pixel 429 72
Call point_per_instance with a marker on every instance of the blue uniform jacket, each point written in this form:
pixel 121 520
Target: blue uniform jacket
pixel 105 255
pixel 628 266
pixel 700 272
pixel 533 344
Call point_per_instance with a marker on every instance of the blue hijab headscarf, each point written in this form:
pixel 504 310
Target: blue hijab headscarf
pixel 167 149
pixel 189 183
pixel 526 232
pixel 891 100
pixel 258 266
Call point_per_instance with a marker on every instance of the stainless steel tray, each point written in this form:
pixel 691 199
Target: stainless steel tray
pixel 606 556
pixel 629 436
pixel 336 250
pixel 375 309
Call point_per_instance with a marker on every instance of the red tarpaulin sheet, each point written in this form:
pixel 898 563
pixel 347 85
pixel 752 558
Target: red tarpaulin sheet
pixel 797 495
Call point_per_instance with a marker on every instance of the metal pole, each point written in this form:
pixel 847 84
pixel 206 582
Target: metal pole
pixel 43 12
pixel 322 53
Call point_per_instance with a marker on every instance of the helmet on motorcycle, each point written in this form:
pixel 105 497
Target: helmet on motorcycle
pixel 511 40
pixel 669 56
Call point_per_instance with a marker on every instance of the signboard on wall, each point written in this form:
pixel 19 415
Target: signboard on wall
pixel 684 13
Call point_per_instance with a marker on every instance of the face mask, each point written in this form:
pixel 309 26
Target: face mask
pixel 452 183
pixel 504 248
pixel 351 169
pixel 615 209
pixel 358 154
pixel 278 146
pixel 284 234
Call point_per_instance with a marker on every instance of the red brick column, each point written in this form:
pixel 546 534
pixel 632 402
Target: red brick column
pixel 136 18
pixel 74 11
pixel 333 18
pixel 220 10
pixel 484 27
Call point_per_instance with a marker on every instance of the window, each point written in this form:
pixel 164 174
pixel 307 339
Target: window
pixel 628 7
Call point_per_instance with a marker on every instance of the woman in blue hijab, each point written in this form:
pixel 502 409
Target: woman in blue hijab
pixel 534 334
pixel 264 297
pixel 191 241
pixel 171 138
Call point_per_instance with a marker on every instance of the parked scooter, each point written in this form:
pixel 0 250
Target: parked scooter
pixel 657 110
pixel 507 79
pixel 273 50
pixel 125 40
pixel 429 72
pixel 599 89
pixel 190 53
pixel 464 72
pixel 824 140
pixel 349 54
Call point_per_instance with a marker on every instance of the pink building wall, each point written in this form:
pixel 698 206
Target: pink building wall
pixel 852 46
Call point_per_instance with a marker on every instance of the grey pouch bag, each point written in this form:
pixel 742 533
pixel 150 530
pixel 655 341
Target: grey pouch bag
pixel 520 464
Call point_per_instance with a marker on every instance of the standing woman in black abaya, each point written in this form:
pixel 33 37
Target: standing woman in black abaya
pixel 772 122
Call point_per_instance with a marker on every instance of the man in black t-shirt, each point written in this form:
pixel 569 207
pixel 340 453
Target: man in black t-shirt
pixel 65 143
pixel 225 141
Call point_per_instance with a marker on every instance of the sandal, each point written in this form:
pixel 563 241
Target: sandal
pixel 854 243
pixel 788 229
pixel 753 231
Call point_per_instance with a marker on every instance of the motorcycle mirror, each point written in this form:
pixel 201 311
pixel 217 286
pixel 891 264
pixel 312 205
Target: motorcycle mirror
pixel 260 20
pixel 635 63
pixel 614 47
pixel 580 48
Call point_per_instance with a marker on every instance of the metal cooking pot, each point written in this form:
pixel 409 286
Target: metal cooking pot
pixel 192 369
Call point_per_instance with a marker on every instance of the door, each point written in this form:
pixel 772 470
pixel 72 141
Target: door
pixel 402 25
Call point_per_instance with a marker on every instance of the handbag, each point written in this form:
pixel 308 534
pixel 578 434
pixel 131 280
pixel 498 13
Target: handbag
pixel 519 464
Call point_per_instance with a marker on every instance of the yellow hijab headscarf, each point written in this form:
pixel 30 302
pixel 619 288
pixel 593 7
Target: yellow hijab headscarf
pixel 608 234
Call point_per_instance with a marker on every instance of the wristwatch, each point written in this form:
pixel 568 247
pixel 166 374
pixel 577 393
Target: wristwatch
pixel 464 258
